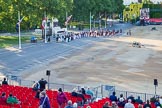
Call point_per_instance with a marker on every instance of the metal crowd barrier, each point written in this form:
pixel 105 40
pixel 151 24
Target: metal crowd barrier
pixel 99 91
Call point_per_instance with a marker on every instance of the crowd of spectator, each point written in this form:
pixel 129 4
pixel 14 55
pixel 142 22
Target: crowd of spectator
pixel 63 102
pixel 131 102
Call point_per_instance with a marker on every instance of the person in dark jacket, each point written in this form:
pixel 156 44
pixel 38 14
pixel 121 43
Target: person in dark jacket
pixel 157 103
pixel 138 100
pixel 132 98
pixel 147 105
pixel 42 83
pixel 44 100
pixel 78 94
pixel 4 82
pixel 113 97
pixel 83 91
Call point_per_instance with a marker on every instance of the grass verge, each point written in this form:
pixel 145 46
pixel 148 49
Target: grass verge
pixel 8 41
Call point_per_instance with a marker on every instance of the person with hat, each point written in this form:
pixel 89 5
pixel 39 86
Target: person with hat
pixel 61 98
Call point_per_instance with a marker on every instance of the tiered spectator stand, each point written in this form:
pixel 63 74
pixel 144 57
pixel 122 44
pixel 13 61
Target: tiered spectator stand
pixel 27 97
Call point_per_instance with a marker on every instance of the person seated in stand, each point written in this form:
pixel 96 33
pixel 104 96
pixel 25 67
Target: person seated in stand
pixel 77 94
pixel 132 98
pixel 4 82
pixel 69 104
pixel 75 105
pixel 140 106
pixel 157 103
pixel 114 105
pixel 12 100
pixel 3 99
pixel 74 92
pixel 138 100
pixel 129 104
pixel 89 92
pixel 106 105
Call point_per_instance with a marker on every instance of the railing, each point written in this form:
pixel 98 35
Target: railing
pixel 143 96
pixel 99 91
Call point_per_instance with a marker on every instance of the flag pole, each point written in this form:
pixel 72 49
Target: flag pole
pixel 19 30
pixel 52 27
pixel 105 20
pixel 90 21
pixel 66 19
pixel 45 28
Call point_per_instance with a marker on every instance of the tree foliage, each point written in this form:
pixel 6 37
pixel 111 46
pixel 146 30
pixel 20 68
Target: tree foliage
pixel 34 11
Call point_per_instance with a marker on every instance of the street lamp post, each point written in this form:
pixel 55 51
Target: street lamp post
pixel 19 22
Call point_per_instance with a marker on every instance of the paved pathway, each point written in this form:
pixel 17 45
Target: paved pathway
pixel 16 61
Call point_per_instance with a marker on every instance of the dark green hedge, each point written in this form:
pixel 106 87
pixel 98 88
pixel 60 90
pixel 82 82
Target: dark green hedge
pixel 155 10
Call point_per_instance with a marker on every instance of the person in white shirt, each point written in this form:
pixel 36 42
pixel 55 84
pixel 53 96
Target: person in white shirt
pixel 129 104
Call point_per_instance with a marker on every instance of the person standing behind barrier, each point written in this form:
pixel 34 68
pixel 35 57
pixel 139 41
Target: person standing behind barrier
pixel 61 98
pixel 147 105
pixel 42 83
pixel 4 82
pixel 138 100
pixel 113 97
pixel 36 86
pixel 121 101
